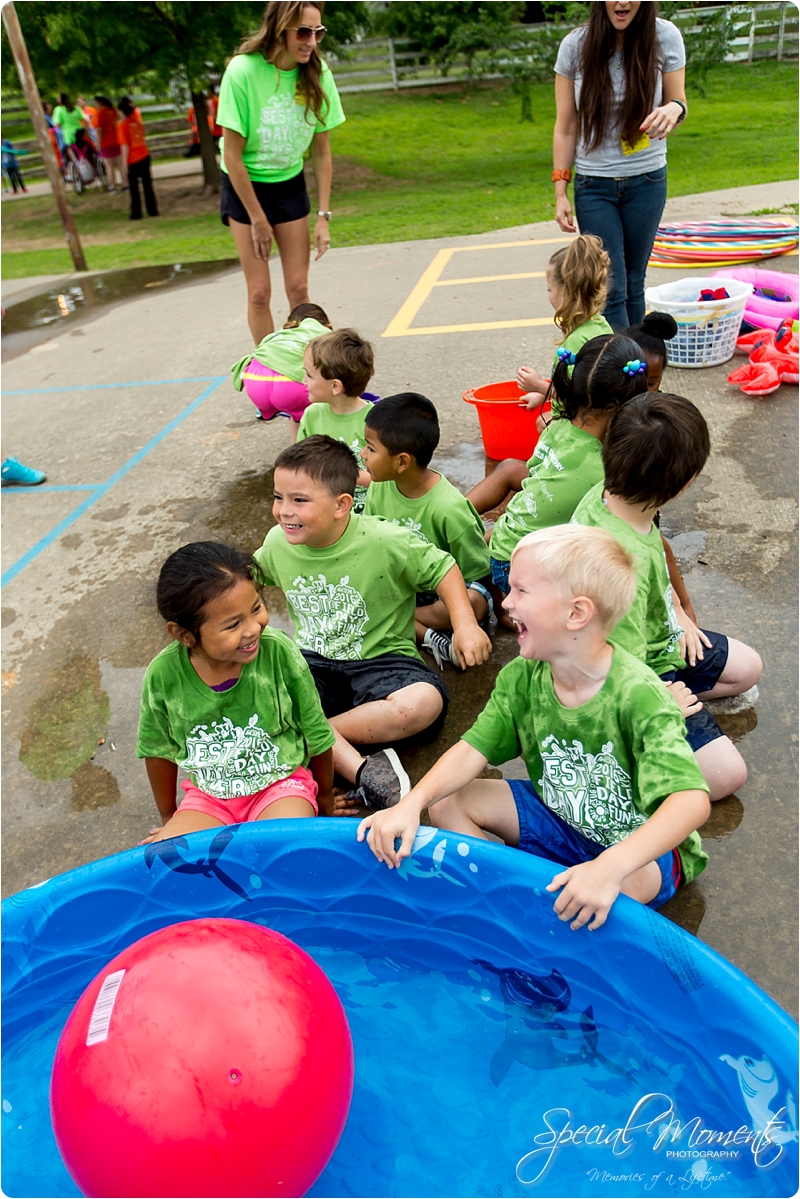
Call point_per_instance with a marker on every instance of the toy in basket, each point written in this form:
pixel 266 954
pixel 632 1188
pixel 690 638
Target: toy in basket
pixel 707 328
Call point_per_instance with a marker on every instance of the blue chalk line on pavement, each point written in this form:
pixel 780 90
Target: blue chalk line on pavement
pixel 104 488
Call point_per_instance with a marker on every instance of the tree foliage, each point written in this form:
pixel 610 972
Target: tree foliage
pixel 448 30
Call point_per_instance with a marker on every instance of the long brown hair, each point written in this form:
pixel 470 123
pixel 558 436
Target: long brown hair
pixel 581 271
pixel 270 39
pixel 640 61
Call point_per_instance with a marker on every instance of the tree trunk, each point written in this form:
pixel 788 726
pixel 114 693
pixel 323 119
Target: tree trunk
pixel 210 168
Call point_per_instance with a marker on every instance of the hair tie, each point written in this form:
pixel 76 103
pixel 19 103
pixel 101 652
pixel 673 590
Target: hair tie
pixel 565 356
pixel 635 367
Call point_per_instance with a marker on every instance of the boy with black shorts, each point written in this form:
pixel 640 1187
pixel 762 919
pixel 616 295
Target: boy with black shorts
pixel 350 584
pixel 402 433
pixel 655 446
pixel 615 795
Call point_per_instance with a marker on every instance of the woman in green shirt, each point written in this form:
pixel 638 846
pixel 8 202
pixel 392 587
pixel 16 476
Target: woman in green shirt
pixel 276 99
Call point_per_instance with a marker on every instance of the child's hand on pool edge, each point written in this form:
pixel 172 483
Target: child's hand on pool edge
pixel 382 829
pixel 590 889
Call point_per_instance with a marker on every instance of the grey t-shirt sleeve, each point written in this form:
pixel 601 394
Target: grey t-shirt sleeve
pixel 670 41
pixel 567 58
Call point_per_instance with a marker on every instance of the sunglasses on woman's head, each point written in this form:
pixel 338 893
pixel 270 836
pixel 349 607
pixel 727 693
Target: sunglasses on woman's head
pixel 304 32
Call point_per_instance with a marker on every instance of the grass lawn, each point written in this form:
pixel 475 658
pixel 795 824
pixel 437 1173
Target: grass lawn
pixel 445 163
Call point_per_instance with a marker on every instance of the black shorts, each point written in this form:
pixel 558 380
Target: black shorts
pixel 345 685
pixel 702 728
pixel 282 202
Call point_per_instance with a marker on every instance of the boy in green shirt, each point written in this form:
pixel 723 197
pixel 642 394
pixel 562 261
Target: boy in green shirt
pixel 402 433
pixel 615 794
pixel 655 446
pixel 338 367
pixel 350 584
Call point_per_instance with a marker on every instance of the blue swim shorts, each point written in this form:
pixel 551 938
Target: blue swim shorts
pixel 543 833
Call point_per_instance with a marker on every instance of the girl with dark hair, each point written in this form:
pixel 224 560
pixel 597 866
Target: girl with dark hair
pixel 105 121
pixel 655 331
pixel 590 387
pixel 619 92
pixel 276 99
pixel 230 701
pixel 136 159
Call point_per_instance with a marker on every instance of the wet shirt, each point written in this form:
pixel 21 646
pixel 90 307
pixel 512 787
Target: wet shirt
pixel 268 109
pixel 347 427
pixel 282 351
pixel 442 517
pixel 650 629
pixel 610 159
pixel 603 767
pixel 565 464
pixel 355 599
pixel 235 742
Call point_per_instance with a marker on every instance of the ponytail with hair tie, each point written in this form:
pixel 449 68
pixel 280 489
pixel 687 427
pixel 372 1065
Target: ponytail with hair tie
pixel 635 367
pixel 565 356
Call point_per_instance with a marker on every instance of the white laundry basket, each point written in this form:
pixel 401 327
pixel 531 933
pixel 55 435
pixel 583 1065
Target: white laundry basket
pixel 707 329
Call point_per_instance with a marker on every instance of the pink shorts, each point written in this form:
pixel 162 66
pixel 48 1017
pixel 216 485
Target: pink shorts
pixel 272 392
pixel 249 807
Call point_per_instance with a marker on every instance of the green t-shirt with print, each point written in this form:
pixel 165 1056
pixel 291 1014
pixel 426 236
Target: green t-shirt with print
pixel 443 517
pixel 603 767
pixel 596 326
pixel 565 464
pixel 354 599
pixel 650 628
pixel 265 106
pixel 236 742
pixel 282 351
pixel 69 122
pixel 346 427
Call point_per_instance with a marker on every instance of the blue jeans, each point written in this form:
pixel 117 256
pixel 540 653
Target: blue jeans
pixel 625 214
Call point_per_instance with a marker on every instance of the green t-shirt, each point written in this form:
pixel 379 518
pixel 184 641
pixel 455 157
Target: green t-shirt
pixel 650 629
pixel 69 122
pixel 346 427
pixel 603 767
pixel 355 599
pixel 565 464
pixel 443 517
pixel 235 742
pixel 596 326
pixel 264 105
pixel 281 351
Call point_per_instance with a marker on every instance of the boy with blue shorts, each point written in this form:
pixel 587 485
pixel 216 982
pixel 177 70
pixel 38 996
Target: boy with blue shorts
pixel 655 446
pixel 615 795
pixel 402 433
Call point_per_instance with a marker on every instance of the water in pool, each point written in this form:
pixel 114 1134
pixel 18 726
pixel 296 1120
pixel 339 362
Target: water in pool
pixel 466 1070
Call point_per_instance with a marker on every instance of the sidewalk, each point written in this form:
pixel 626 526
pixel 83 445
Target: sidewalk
pixel 160 170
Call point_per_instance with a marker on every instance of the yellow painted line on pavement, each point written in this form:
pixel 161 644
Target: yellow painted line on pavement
pixel 489 278
pixel 431 277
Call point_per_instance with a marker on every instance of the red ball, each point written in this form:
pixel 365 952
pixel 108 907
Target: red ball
pixel 209 1058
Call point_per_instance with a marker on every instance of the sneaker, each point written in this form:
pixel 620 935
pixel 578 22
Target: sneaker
pixel 381 781
pixel 24 476
pixel 440 645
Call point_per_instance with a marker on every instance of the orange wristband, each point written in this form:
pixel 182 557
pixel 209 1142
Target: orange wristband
pixel 566 175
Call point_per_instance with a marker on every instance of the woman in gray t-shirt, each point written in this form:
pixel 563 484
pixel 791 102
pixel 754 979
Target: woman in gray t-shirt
pixel 619 92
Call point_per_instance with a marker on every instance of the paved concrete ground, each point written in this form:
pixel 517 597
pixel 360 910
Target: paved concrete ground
pixel 147 447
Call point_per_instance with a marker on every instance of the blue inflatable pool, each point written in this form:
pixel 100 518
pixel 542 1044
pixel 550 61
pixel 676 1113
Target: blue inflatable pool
pixel 497 1051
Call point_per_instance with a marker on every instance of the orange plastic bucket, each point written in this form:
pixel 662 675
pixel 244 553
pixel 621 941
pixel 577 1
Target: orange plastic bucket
pixel 508 431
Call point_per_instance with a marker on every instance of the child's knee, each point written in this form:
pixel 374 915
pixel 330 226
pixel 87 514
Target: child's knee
pixel 722 767
pixel 416 707
pixel 746 663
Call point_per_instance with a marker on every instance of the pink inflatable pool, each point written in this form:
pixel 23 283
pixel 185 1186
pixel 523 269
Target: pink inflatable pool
pixel 776 295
